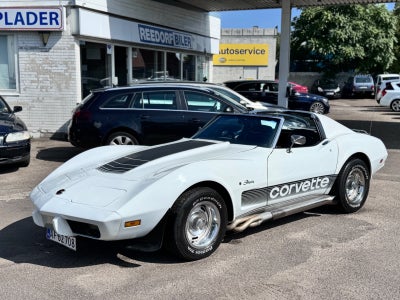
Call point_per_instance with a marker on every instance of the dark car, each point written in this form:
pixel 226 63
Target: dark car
pixel 145 114
pixel 267 91
pixel 328 88
pixel 359 85
pixel 15 140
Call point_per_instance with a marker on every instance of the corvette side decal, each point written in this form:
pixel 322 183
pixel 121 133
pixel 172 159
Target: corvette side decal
pixel 129 162
pixel 301 187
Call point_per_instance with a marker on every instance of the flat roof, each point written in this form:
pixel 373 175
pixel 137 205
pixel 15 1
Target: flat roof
pixel 225 5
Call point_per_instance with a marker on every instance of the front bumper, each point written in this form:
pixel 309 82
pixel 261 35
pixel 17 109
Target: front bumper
pixel 15 152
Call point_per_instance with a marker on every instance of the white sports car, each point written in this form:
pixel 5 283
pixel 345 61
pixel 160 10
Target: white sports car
pixel 235 173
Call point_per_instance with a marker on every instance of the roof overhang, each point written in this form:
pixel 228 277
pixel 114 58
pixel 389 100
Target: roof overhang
pixel 224 5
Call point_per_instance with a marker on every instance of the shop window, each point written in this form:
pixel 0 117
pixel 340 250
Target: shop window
pixel 161 65
pixel 95 66
pixel 7 63
pixel 201 68
pixel 147 64
pixel 189 67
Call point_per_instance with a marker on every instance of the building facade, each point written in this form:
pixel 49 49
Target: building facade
pixel 53 52
pixel 245 53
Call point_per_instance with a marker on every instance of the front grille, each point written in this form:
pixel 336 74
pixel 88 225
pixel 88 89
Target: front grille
pixel 85 229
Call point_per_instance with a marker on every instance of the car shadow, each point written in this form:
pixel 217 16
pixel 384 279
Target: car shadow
pixel 8 169
pixel 24 242
pixel 58 154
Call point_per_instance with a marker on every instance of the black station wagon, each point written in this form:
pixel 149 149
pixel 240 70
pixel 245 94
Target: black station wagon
pixel 145 114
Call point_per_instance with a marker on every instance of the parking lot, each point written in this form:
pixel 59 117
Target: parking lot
pixel 318 254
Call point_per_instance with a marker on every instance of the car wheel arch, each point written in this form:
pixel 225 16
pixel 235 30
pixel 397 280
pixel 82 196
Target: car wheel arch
pixel 359 155
pixel 220 189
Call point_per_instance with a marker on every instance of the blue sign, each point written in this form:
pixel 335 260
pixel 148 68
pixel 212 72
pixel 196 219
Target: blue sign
pixel 164 37
pixel 35 18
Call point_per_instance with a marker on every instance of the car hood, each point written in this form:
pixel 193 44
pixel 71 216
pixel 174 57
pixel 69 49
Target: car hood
pixel 113 176
pixel 10 123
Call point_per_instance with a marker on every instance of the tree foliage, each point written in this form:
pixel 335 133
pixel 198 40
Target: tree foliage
pixel 396 64
pixel 346 37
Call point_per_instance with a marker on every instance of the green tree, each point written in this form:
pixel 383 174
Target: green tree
pixel 395 68
pixel 346 37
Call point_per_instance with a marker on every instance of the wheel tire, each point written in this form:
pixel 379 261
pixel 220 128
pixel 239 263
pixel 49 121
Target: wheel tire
pixel 395 105
pixel 317 107
pixel 352 186
pixel 197 224
pixel 121 138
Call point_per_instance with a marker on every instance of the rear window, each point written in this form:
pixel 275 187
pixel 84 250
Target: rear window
pixel 363 79
pixel 391 78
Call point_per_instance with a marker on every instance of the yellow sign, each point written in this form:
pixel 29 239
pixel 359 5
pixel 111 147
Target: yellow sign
pixel 241 55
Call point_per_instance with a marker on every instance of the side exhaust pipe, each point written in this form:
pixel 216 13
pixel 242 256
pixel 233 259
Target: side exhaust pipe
pixel 274 212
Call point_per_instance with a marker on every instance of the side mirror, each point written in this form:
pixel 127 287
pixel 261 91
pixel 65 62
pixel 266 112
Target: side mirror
pixel 17 108
pixel 296 140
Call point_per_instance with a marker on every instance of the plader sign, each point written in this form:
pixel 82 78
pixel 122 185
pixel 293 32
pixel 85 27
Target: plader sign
pixel 34 18
pixel 242 55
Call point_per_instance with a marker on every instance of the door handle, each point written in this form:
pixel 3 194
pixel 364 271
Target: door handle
pixel 196 121
pixel 145 117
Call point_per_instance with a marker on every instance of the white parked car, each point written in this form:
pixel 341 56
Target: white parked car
pixel 240 98
pixel 391 96
pixel 237 172
pixel 381 81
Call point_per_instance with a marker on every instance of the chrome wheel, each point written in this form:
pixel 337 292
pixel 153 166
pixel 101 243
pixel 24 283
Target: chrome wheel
pixel 317 107
pixel 355 187
pixel 121 138
pixel 352 185
pixel 395 105
pixel 203 225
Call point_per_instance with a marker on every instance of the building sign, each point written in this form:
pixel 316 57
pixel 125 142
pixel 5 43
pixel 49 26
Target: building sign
pixel 242 55
pixel 164 37
pixel 33 18
pixel 113 28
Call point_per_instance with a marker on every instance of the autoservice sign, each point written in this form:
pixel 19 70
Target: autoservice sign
pixel 33 18
pixel 242 55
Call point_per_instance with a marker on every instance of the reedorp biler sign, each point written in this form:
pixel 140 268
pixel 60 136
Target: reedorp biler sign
pixel 241 55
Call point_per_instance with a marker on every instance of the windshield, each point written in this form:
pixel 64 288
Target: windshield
pixel 245 130
pixel 4 108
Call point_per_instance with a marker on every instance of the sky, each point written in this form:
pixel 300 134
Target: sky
pixel 263 18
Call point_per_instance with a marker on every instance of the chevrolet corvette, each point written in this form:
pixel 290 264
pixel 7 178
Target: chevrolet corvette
pixel 238 171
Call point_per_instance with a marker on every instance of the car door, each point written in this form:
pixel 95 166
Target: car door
pixel 303 171
pixel 200 108
pixel 160 118
pixel 251 90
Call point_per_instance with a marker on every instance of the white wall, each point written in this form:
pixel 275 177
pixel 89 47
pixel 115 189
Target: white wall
pixel 157 13
pixel 49 80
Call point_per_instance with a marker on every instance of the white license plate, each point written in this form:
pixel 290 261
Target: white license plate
pixel 329 93
pixel 67 241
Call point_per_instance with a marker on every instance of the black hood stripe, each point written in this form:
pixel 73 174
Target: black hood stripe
pixel 129 162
